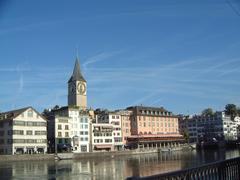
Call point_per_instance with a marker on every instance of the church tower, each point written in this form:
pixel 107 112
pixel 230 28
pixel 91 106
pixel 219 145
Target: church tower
pixel 77 88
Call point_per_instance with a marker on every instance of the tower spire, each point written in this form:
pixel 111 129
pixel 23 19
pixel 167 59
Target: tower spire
pixel 77 75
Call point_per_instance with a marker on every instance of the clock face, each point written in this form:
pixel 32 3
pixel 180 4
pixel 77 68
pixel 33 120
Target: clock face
pixel 81 88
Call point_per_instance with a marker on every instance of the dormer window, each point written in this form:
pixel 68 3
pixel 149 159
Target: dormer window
pixel 30 113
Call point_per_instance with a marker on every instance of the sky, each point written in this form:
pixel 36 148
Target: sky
pixel 182 55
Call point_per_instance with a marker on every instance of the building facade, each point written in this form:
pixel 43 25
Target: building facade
pixel 113 118
pixel 152 120
pixel 102 137
pixel 211 129
pixel 78 123
pixel 59 134
pixel 23 131
pixel 125 124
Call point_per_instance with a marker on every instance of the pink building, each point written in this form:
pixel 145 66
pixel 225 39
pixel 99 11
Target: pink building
pixel 152 120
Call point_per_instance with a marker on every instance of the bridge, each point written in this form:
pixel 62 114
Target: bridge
pixel 221 170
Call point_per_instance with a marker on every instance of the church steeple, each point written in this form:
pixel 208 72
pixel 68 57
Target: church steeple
pixel 77 88
pixel 77 75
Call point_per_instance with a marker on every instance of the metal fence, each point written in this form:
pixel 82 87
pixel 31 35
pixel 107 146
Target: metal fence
pixel 221 170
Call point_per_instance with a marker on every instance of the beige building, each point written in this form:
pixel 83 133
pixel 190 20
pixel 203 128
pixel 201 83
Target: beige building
pixel 59 134
pixel 125 124
pixel 23 131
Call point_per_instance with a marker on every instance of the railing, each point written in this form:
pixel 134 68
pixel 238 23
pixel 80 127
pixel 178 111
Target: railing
pixel 221 170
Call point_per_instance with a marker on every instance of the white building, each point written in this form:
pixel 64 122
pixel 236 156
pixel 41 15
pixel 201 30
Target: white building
pixel 102 137
pixel 23 131
pixel 79 126
pixel 113 118
pixel 211 128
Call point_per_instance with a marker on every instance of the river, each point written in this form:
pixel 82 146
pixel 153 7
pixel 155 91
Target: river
pixel 112 168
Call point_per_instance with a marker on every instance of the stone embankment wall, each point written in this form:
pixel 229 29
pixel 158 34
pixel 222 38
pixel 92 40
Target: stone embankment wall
pixel 77 156
pixel 26 157
pixel 110 154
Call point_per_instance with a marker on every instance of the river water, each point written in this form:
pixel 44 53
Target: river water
pixel 112 168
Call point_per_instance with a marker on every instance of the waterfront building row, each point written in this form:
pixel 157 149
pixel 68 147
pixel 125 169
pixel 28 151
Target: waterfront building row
pixel 77 128
pixel 215 128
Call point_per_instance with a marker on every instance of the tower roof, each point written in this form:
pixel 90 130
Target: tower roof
pixel 77 75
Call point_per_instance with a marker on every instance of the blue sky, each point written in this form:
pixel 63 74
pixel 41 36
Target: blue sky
pixel 183 55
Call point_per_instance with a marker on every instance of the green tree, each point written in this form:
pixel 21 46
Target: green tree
pixel 238 111
pixel 208 112
pixel 231 110
pixel 186 135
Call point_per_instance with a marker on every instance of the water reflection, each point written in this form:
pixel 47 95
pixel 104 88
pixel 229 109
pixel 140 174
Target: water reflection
pixel 112 168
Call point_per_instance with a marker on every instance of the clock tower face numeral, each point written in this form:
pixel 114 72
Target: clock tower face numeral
pixel 81 88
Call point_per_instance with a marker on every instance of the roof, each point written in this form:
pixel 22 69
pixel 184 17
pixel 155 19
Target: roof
pixel 14 113
pixel 77 75
pixel 147 108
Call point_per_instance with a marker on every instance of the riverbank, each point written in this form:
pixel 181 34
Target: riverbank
pixel 105 154
pixel 74 156
pixel 79 156
pixel 27 157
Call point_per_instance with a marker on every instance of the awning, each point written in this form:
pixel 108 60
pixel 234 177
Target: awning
pixel 103 146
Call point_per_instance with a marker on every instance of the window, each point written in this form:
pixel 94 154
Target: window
pixel 1 133
pixel 9 132
pixel 18 140
pixel 40 132
pixel 1 141
pixel 66 134
pixel 59 134
pixel 81 120
pixel 113 117
pixel 86 126
pixel 108 140
pixel 66 127
pixel 30 113
pixel 29 133
pixel 59 126
pixel 18 132
pixel 9 141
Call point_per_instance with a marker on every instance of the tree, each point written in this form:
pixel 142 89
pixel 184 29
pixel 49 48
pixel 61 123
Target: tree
pixel 208 112
pixel 186 135
pixel 231 110
pixel 238 111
